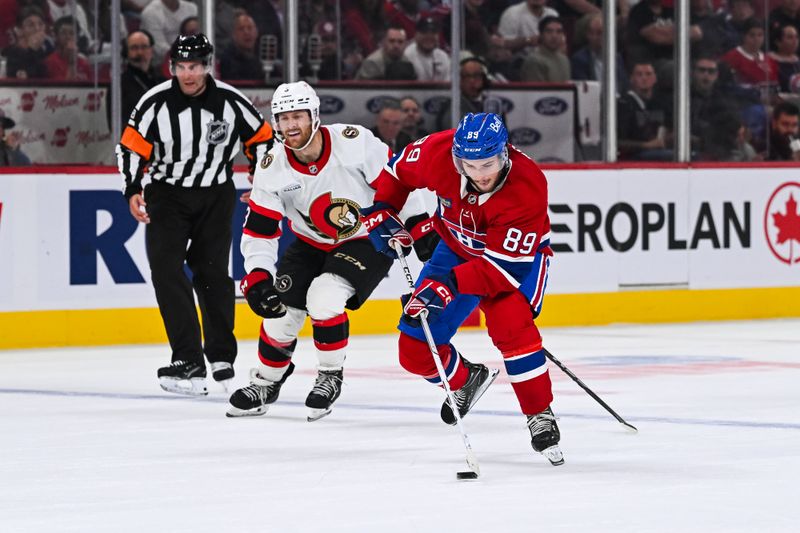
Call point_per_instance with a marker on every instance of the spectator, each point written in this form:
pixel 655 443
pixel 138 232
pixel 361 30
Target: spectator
pixel 11 155
pixel 361 21
pixel 266 16
pixel 751 67
pixel 139 76
pixel 387 62
pixel 360 18
pixel 9 9
pixel 133 6
pixel 728 142
pixel 412 121
pixel 328 56
pixel 431 63
pixel 389 125
pixel 711 108
pixel 476 27
pixel 403 13
pixel 190 26
pixel 650 34
pixel 713 38
pixel 642 119
pixel 547 62
pixel 785 56
pixel 66 62
pixel 787 14
pixel 783 138
pixel 63 8
pixel 163 18
pixel 734 20
pixel 519 24
pixel 587 63
pixel 474 77
pixel 240 60
pixel 26 57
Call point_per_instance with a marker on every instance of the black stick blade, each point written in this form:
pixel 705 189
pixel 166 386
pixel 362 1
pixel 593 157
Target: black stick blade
pixel 467 475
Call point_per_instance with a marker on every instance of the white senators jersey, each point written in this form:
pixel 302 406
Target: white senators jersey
pixel 321 199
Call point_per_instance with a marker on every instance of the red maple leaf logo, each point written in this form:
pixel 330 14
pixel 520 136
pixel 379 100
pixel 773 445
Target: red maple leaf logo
pixel 788 224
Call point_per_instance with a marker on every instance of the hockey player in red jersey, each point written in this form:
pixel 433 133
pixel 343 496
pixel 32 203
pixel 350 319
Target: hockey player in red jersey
pixel 494 252
pixel 319 178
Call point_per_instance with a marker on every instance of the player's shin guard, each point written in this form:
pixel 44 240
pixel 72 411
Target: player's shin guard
pixel 415 357
pixel 274 356
pixel 330 339
pixel 530 379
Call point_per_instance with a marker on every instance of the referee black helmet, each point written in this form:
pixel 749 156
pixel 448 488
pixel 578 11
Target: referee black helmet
pixel 192 48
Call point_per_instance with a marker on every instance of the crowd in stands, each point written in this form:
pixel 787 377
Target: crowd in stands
pixel 745 64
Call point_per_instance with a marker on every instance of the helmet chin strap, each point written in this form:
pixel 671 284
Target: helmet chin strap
pixel 314 130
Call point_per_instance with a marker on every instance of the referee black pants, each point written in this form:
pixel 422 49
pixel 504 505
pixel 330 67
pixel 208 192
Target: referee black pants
pixel 193 226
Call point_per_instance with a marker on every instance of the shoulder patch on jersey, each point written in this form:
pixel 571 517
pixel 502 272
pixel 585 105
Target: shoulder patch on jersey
pixel 267 160
pixel 350 132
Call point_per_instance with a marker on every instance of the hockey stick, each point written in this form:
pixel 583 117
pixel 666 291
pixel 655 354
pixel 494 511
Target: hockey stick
pixel 580 383
pixel 472 461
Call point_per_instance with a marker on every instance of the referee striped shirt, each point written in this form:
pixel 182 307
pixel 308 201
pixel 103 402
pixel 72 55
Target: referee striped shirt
pixel 190 141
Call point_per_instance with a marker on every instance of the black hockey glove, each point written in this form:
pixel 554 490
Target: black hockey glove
pixel 259 291
pixel 425 237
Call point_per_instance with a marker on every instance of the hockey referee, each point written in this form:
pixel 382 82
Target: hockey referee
pixel 184 134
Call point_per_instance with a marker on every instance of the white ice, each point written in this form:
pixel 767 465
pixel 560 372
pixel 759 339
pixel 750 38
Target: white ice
pixel 88 442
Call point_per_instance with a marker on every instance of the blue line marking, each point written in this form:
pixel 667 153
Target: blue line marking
pixel 409 409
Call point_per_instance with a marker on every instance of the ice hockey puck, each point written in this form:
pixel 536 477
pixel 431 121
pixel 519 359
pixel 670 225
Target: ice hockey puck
pixel 466 475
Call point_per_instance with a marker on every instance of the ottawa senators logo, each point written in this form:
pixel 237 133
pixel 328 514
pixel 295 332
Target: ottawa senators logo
pixel 350 132
pixel 334 218
pixel 266 160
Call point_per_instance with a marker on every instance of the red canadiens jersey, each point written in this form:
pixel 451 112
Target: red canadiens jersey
pixel 499 233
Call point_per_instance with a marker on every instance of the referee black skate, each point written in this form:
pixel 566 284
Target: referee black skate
pixel 183 135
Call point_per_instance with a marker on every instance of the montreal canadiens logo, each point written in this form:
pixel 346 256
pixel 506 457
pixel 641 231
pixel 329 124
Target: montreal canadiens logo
pixel 782 223
pixel 335 218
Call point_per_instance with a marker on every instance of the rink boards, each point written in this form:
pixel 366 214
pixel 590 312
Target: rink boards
pixel 632 245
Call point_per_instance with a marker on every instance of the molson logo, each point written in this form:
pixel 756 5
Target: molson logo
pixel 55 102
pixel 60 137
pixel 93 100
pixel 782 223
pixel 27 101
pixel 87 137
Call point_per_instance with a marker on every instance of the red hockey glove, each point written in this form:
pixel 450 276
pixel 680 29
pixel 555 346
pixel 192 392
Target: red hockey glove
pixel 383 226
pixel 259 291
pixel 431 297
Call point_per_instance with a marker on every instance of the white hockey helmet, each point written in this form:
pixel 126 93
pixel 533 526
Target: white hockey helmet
pixel 296 96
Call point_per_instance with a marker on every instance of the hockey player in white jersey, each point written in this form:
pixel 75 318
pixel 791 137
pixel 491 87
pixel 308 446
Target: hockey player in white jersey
pixel 318 178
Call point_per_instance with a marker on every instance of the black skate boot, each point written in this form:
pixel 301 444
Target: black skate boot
pixel 254 400
pixel 223 373
pixel 479 379
pixel 183 377
pixel 326 390
pixel 545 436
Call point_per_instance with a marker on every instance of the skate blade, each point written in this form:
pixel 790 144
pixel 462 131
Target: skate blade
pixel 316 414
pixel 226 384
pixel 554 455
pixel 187 387
pixel 235 412
pixel 493 372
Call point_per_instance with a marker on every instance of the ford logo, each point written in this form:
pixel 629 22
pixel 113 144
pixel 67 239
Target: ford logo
pixel 435 104
pixel 498 105
pixel 550 159
pixel 329 105
pixel 374 104
pixel 550 106
pixel 524 136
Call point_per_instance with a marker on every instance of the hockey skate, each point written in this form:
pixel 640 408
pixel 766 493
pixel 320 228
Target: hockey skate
pixel 326 390
pixel 545 436
pixel 223 373
pixel 255 399
pixel 479 379
pixel 183 377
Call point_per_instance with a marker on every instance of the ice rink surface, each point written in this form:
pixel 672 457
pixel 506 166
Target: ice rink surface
pixel 89 442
